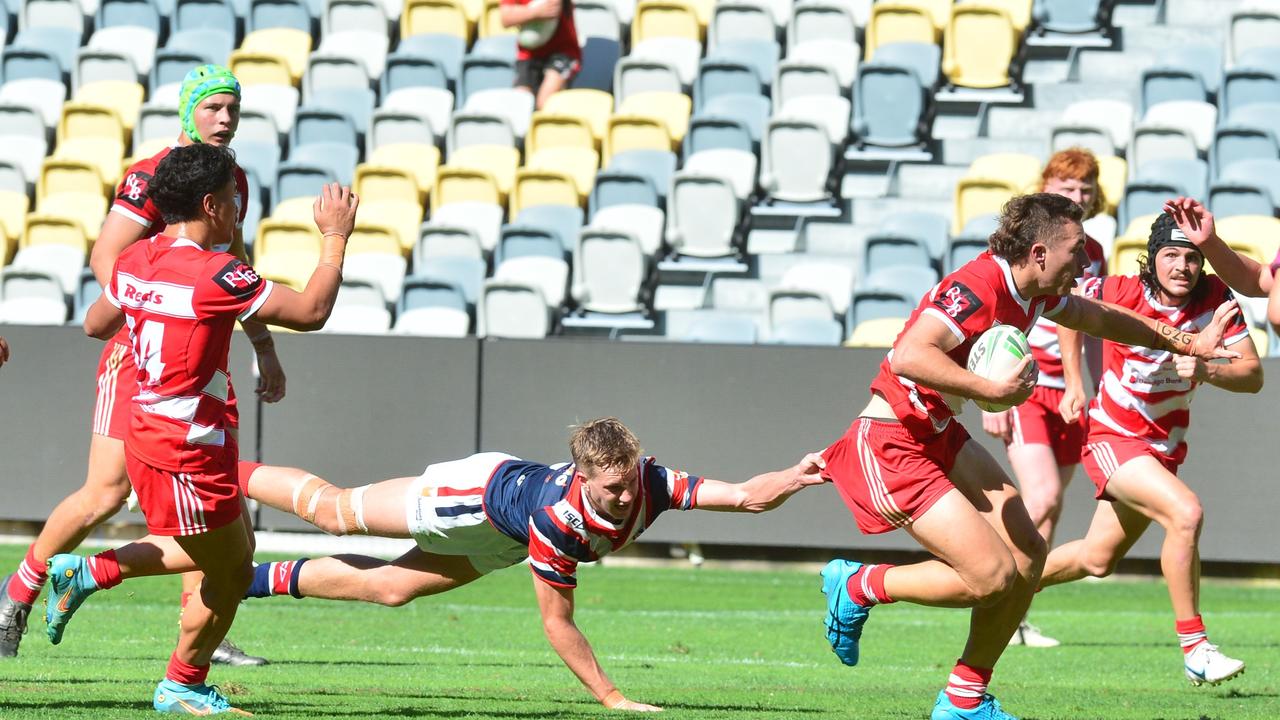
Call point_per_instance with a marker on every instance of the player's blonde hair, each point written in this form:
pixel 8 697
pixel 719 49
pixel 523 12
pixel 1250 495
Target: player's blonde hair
pixel 1028 219
pixel 1076 163
pixel 603 443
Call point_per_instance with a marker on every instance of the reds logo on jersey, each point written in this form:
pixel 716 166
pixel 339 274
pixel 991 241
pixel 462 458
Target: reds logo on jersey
pixel 142 297
pixel 957 301
pixel 237 278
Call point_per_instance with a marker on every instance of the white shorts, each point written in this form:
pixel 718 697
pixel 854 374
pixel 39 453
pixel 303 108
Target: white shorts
pixel 445 513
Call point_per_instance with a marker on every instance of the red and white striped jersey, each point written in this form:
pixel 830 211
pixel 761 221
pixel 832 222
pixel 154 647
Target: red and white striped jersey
pixel 133 200
pixel 977 296
pixel 181 303
pixel 1043 338
pixel 1142 396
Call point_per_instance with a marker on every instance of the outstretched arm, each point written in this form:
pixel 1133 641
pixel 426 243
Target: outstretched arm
pixel 556 605
pixel 1242 274
pixel 1242 375
pixel 762 492
pixel 1118 324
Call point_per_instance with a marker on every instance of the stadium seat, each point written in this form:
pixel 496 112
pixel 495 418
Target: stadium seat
pixel 621 187
pixel 42 94
pixel 549 275
pixel 290 44
pixel 740 20
pixel 1163 83
pixel 636 132
pixel 527 241
pixel 596 19
pixel 979 45
pixel 889 106
pixel 737 166
pixel 497 46
pixel 432 307
pixel 878 333
pixel 1146 197
pixel 833 280
pixel 512 310
pixel 1196 118
pixel 751 110
pixel 664 18
pixel 1251 26
pixel 807 331
pixel 485 72
pixel 893 22
pixel 63 14
pixel 68 176
pixel 436 16
pixel 420 159
pixel 1088 137
pixel 579 163
pixel 1190 176
pixel 890 292
pixel 444 50
pixel 840 57
pixel 31 298
pixel 1228 199
pixel 277 14
pixel 370 237
pixel 392 126
pixel 797 160
pixel 718 76
pixel 468 129
pixel 454 185
pixel 928 229
pixel 498 161
pixel 28 62
pixel 960 251
pixel 1072 16
pixel 484 219
pixel 363 46
pixel 260 68
pixel 123 97
pixel 789 305
pixel 87 293
pixel 319 125
pixel 386 182
pixel 1233 144
pixel 1262 173
pixel 61 261
pixel 715 326
pixel 680 53
pixel 54 230
pixel 1124 255
pixel 702 215
pixel 96 65
pixel 435 105
pixel 886 250
pixel 358 310
pixel 300 180
pixel 609 271
pixel 542 187
pixel 1245 85
pixel 1112 173
pixel 209 44
pixel 345 15
pixel 1260 233
pixel 563 221
pixel 717 133
pixel 548 129
pixel 13 218
pixel 593 106
pixel 1152 142
pixel 86 209
pixel 671 109
pixel 217 15
pixel 821 20
pixel 633 74
pixel 1114 116
pixel 439 240
pixel 798 79
pixel 831 111
pixel 406 70
pixel 511 104
pixel 281 236
pixel 599 59
pixel 645 222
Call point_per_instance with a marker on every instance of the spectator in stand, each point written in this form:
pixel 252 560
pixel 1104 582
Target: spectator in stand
pixel 547 52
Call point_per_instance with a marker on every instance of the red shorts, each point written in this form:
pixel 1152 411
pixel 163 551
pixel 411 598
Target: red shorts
pixel 1037 422
pixel 887 477
pixel 1106 452
pixel 118 383
pixel 178 503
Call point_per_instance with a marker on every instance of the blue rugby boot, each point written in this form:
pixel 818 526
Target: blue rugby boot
pixel 172 697
pixel 69 584
pixel 845 617
pixel 988 709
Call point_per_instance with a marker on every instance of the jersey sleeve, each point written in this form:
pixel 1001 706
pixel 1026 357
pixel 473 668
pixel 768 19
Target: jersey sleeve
pixel 1053 305
pixel 1092 288
pixel 670 489
pixel 133 199
pixel 965 304
pixel 230 286
pixel 557 543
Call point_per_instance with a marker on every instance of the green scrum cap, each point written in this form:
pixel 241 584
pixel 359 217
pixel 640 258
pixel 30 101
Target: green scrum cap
pixel 202 82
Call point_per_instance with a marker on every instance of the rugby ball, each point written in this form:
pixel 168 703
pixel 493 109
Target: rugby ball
pixel 536 33
pixel 995 353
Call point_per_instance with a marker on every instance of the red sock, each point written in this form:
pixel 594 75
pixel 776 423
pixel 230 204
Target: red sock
pixel 866 586
pixel 185 674
pixel 186 598
pixel 105 570
pixel 967 685
pixel 28 581
pixel 1190 633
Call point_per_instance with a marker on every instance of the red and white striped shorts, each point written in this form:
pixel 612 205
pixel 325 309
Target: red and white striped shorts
pixel 887 476
pixel 117 384
pixel 1104 454
pixel 180 503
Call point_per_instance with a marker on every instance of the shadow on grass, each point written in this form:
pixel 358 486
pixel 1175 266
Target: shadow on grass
pixel 784 712
pixel 269 707
pixel 62 706
pixel 413 663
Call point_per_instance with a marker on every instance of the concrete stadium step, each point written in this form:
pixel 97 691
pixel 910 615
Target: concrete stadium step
pixel 962 152
pixel 872 211
pixel 1058 96
pixel 1022 123
pixel 929 182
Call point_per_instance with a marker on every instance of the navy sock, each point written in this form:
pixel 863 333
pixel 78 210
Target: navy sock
pixel 276 578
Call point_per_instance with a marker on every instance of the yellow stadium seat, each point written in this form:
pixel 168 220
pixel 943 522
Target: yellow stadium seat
pixel 89 209
pixel 1125 254
pixel 500 161
pixel 542 187
pixel 13 215
pixel 54 229
pixel 703 10
pixel 463 185
pixel 1112 172
pixel 473 9
pixel 370 236
pixel 300 210
pixel 635 132
pixel 8 248
pixel 147 149
pixel 60 175
pixel 122 96
pixel 978 46
pixel 402 217
pixel 672 108
pixel 1261 233
pixel 106 154
pixel 292 268
pixel 1019 12
pixel 893 22
pixel 285 236
pixel 1018 169
pixel 1140 227
pixel 878 333
pixel 89 120
pixel 491 21
pixel 386 182
pixel 552 130
pixel 593 106
pixel 665 18
pixel 578 163
pixel 438 16
pixel 291 44
pixel 261 68
pixel 418 158
pixel 979 196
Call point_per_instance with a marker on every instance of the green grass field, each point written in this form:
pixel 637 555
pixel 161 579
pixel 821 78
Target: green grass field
pixel 702 643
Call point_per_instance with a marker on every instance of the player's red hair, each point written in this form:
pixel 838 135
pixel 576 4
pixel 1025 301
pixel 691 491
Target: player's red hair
pixel 1076 164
